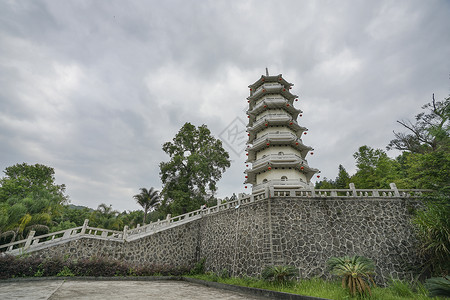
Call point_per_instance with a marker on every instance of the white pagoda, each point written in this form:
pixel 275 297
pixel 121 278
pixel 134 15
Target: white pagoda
pixel 275 148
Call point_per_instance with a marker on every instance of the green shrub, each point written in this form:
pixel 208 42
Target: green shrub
pixel 438 286
pixel 432 225
pixel 31 266
pixel 354 271
pixel 279 274
pixel 400 288
pixel 65 272
pixel 224 274
pixel 199 267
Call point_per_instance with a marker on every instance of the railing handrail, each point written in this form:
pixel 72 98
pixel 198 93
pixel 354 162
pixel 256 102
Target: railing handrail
pixel 269 191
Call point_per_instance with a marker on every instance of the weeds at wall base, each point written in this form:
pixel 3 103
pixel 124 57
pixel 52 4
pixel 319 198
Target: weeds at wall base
pixel 31 266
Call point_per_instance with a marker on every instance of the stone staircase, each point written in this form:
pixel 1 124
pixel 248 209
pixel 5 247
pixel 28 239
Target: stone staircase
pixel 35 243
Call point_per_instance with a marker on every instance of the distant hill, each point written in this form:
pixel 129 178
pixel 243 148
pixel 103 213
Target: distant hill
pixel 72 206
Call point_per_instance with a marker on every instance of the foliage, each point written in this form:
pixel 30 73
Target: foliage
pixel 65 272
pixel 148 199
pixel 400 288
pixel 430 170
pixel 315 287
pixel 432 225
pixel 29 200
pixel 106 217
pixel 279 274
pixel 343 179
pixel 199 267
pixel 22 179
pixel 354 271
pixel 430 131
pixel 30 266
pixel 197 161
pixel 438 286
pixel 374 169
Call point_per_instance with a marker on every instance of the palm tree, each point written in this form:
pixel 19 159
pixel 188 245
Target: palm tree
pixel 147 199
pixel 354 271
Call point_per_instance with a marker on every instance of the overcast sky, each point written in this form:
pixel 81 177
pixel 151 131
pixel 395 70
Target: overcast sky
pixel 94 88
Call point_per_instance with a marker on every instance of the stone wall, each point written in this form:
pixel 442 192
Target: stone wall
pixel 303 232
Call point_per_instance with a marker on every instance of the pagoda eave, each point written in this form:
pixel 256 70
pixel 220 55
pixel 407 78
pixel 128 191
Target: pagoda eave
pixel 277 78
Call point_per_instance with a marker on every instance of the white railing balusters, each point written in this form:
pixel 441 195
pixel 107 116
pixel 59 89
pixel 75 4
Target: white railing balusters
pixel 127 234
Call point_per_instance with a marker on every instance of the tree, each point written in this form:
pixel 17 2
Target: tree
pixel 23 179
pixel 354 271
pixel 197 161
pixel 106 217
pixel 430 131
pixel 29 200
pixel 148 199
pixel 375 169
pixel 343 179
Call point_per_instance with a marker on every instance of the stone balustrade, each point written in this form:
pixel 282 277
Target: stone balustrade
pixel 34 243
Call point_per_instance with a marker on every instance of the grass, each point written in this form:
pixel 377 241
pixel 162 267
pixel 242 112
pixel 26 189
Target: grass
pixel 397 290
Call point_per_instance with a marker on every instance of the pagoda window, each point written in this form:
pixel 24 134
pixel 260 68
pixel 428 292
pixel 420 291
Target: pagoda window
pixel 264 181
pixel 280 153
pixel 284 178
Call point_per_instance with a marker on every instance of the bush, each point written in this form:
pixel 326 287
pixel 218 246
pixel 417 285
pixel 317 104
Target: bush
pixel 400 288
pixel 438 286
pixel 354 271
pixel 199 267
pixel 29 266
pixel 279 274
pixel 432 225
pixel 65 272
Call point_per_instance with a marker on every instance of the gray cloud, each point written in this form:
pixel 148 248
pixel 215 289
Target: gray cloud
pixel 94 89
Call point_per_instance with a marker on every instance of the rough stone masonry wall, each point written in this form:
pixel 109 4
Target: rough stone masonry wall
pixel 291 231
pixel 306 232
pixel 176 246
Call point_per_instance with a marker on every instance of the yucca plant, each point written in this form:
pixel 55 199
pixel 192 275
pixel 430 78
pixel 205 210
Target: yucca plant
pixel 354 271
pixel 279 274
pixel 438 286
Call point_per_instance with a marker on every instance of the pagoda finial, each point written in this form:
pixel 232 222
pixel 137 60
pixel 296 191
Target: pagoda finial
pixel 267 72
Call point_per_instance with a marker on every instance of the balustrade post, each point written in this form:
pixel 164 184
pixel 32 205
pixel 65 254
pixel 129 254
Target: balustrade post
pixel 85 224
pixel 353 188
pixel 394 188
pixel 29 239
pixel 67 234
pixel 333 193
pixel 125 232
pixel 266 192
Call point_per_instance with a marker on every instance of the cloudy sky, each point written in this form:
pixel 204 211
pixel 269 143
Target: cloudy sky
pixel 94 88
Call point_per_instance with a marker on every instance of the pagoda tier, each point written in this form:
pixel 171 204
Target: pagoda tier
pixel 277 139
pixel 272 106
pixel 275 148
pixel 274 122
pixel 275 162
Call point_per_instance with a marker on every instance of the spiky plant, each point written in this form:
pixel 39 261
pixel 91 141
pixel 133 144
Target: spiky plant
pixel 355 271
pixel 279 274
pixel 438 286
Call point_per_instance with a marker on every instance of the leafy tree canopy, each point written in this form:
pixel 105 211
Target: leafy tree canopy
pixel 197 161
pixel 22 179
pixel 29 200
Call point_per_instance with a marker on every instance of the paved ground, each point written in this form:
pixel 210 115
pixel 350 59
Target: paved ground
pixel 60 289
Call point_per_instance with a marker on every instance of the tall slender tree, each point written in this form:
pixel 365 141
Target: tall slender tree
pixel 148 199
